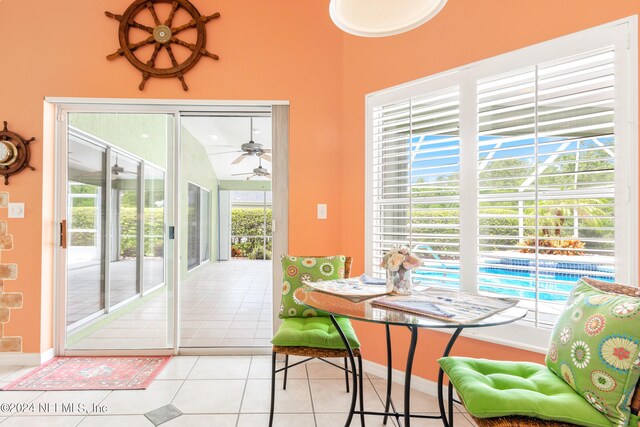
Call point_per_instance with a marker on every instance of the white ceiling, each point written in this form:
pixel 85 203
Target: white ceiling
pixel 226 134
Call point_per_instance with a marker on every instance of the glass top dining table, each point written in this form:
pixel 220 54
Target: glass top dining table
pixel 365 311
pixel 338 306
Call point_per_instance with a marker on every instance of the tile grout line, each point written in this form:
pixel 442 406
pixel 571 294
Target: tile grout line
pixel 382 401
pixel 313 408
pixel 180 388
pixel 244 390
pixel 81 421
pixel 105 398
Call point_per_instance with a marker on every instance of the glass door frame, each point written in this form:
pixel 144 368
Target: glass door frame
pixel 172 220
pixel 178 108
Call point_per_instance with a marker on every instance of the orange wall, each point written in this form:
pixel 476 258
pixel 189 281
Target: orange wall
pixel 465 31
pixel 276 49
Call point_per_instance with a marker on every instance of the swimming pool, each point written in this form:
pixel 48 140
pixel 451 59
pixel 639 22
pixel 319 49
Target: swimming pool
pixel 549 283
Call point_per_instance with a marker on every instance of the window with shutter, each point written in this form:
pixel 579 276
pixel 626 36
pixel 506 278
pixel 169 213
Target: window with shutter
pixel 546 179
pixel 416 167
pixel 199 226
pixel 515 175
pixel 205 224
pixel 193 227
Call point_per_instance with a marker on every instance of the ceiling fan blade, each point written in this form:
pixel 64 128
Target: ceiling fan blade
pixel 93 174
pixel 266 157
pixel 249 177
pixel 239 174
pixel 239 159
pixel 266 150
pixel 226 152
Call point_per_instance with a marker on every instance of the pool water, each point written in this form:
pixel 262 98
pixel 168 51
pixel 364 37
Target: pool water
pixel 556 282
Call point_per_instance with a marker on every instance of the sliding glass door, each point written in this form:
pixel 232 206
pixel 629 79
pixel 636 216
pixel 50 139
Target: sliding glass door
pixel 86 201
pixel 119 251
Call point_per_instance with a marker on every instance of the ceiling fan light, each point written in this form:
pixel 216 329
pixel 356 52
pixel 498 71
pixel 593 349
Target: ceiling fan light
pixel 380 18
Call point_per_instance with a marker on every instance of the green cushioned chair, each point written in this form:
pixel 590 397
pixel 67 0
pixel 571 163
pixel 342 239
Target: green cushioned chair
pixel 305 332
pixel 499 393
pixel 525 389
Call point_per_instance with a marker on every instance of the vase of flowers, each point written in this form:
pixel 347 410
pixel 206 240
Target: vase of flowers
pixel 398 263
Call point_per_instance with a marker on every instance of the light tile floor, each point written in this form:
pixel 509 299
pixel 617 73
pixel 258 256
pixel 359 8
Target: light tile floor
pixel 223 304
pixel 220 391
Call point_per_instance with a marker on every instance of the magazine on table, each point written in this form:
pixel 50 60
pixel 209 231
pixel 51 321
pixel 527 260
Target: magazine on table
pixel 447 304
pixel 355 290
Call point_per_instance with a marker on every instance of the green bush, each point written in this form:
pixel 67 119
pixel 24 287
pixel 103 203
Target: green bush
pixel 258 253
pixel 495 224
pixel 84 217
pixel 249 222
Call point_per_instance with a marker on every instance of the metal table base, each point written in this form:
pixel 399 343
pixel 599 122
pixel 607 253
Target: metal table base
pixel 446 413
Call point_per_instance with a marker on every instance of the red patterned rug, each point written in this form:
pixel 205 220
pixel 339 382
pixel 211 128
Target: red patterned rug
pixel 93 373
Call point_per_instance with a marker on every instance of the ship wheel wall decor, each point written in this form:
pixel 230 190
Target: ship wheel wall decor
pixel 14 153
pixel 162 35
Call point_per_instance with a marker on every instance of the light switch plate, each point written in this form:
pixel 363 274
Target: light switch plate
pixel 16 210
pixel 322 211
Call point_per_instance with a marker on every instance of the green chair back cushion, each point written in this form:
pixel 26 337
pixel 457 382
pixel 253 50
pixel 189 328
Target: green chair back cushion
pixel 595 349
pixel 492 388
pixel 317 332
pixel 297 269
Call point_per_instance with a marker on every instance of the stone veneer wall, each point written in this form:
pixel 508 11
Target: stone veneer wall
pixel 8 300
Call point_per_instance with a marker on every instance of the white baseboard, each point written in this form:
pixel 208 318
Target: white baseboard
pixel 26 359
pixel 417 383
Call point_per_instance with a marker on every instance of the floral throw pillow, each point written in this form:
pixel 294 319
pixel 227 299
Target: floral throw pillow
pixel 297 269
pixel 595 348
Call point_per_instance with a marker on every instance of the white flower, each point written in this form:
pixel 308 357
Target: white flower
pixel 400 257
pixel 565 335
pixel 580 354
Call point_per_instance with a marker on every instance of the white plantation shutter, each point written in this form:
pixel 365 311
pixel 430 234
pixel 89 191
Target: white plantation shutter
pixel 205 225
pixel 416 187
pixel 546 168
pixel 506 155
pixel 543 139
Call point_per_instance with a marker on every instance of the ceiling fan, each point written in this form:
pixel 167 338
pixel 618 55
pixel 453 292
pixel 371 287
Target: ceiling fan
pixel 259 171
pixel 100 175
pixel 251 148
pixel 117 169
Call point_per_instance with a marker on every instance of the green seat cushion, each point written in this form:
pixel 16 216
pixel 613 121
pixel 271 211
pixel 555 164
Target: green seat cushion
pixel 595 348
pixel 492 388
pixel 310 269
pixel 316 332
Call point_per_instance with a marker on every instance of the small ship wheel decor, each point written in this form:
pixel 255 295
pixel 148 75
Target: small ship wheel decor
pixel 14 153
pixel 164 34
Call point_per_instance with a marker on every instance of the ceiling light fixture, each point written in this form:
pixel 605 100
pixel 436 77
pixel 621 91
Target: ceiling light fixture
pixel 380 18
